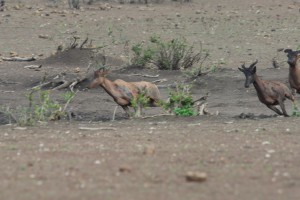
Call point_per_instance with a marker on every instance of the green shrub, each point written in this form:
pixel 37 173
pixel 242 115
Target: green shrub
pixel 295 111
pixel 180 101
pixel 174 54
pixel 140 102
pixel 40 108
pixel 141 56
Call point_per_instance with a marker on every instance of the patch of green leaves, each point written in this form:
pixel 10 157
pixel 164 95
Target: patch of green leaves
pixel 295 111
pixel 141 56
pixel 140 102
pixel 41 108
pixel 173 54
pixel 180 102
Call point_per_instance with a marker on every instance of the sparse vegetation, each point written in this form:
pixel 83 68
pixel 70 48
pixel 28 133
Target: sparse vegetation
pixel 43 109
pixel 180 101
pixel 74 4
pixel 174 54
pixel 295 111
pixel 140 102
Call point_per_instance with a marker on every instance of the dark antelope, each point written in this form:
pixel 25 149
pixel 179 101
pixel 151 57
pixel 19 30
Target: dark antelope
pixel 124 92
pixel 294 70
pixel 270 93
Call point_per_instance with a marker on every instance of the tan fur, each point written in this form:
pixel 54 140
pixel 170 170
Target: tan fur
pixel 124 92
pixel 151 90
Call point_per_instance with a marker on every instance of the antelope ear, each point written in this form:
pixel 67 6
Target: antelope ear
pixel 241 69
pixel 288 51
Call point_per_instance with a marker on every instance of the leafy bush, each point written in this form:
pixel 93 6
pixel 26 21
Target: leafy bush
pixel 295 111
pixel 141 56
pixel 166 55
pixel 140 102
pixel 44 109
pixel 180 101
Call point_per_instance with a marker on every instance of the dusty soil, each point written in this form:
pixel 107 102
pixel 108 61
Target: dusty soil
pixel 254 158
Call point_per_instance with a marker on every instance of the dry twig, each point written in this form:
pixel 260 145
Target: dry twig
pixel 145 75
pixel 20 59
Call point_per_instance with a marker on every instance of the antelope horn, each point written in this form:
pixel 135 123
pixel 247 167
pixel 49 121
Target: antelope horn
pixel 253 64
pixel 243 66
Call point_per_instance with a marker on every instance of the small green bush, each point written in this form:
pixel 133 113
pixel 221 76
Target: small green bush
pixel 141 56
pixel 184 111
pixel 140 102
pixel 180 102
pixel 174 54
pixel 40 108
pixel 295 111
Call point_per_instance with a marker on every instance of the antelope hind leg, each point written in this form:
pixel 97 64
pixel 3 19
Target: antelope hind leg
pixel 126 109
pixel 275 109
pixel 283 109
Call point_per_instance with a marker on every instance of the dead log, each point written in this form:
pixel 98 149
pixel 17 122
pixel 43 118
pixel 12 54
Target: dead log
pixel 19 59
pixel 145 75
pixel 67 79
pixel 34 67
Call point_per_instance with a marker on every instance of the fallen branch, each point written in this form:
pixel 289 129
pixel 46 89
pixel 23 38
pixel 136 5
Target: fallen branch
pixel 202 98
pixel 159 115
pixel 35 67
pixel 97 129
pixel 202 110
pixel 84 42
pixel 72 85
pixel 7 91
pixel 64 85
pixel 74 44
pixel 145 75
pixel 20 59
pixel 160 80
pixel 40 86
pixel 8 83
pixel 172 85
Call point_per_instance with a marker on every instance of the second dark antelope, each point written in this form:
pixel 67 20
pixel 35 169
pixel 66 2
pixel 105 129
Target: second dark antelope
pixel 270 93
pixel 294 70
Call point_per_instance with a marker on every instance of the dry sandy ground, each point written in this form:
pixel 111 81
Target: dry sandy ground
pixel 149 158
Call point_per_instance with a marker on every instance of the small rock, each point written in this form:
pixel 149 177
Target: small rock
pixel 77 70
pixel 196 176
pixel 44 36
pixel 16 7
pixel 13 53
pixel 32 176
pixel 125 169
pixel 265 142
pixel 149 150
pixel 198 12
pixel 268 155
pixel 97 162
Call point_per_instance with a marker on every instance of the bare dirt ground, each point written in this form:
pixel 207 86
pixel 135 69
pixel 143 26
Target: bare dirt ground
pixel 149 158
